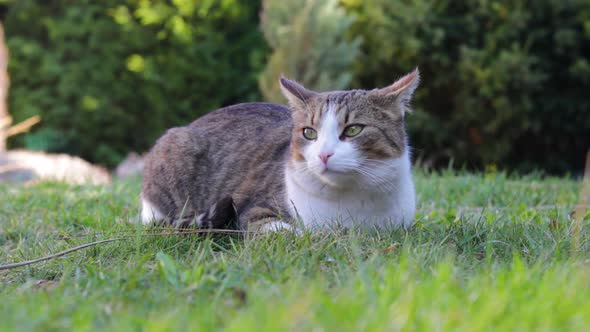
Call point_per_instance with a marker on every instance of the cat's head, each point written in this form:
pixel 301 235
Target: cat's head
pixel 341 136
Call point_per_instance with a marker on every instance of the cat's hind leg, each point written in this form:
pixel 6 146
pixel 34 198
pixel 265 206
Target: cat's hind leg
pixel 220 215
pixel 150 214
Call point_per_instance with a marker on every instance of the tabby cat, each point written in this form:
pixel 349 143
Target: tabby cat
pixel 339 157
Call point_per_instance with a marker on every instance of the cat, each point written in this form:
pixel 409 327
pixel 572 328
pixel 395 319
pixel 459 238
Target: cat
pixel 330 158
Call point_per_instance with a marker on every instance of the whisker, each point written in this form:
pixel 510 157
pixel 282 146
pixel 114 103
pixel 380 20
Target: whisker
pixel 378 162
pixel 383 183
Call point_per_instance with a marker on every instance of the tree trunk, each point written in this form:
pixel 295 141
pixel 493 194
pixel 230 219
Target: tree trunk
pixel 5 119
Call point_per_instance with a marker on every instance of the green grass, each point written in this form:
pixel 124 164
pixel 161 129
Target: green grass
pixel 489 252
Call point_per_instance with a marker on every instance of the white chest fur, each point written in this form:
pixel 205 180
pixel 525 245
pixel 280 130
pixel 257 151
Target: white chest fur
pixel 320 206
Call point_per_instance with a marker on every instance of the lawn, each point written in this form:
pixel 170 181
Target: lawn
pixel 489 252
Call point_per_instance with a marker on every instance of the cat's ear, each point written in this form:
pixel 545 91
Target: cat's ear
pixel 296 94
pixel 398 94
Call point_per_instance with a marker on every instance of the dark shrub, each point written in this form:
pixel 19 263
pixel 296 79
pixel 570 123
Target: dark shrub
pixel 504 82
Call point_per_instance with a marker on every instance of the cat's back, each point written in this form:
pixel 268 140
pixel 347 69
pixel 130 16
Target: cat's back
pixel 246 120
pixel 240 134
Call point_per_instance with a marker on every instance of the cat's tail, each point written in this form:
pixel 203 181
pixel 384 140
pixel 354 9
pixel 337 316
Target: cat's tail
pixel 221 215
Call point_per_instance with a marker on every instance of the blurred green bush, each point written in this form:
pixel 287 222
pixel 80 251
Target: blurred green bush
pixel 110 76
pixel 504 82
pixel 309 44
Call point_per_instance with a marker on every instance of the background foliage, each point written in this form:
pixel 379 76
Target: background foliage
pixel 504 82
pixel 110 76
pixel 309 44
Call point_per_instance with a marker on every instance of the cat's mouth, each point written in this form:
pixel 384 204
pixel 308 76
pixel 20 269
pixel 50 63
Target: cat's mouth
pixel 333 174
pixel 327 169
pixel 335 169
pixel 336 178
pixel 331 170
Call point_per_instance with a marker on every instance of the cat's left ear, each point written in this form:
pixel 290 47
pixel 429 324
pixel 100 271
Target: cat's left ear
pixel 399 94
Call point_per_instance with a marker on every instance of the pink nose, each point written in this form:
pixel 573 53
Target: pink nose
pixel 325 156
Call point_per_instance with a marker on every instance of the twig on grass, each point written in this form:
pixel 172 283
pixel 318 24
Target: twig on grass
pixel 91 244
pixel 56 255
pixel 153 230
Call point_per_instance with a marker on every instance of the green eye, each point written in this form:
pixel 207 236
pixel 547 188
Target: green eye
pixel 310 133
pixel 353 130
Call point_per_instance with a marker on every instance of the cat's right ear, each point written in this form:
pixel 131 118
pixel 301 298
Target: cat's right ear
pixel 296 94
